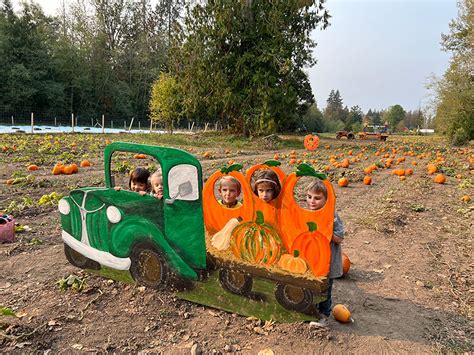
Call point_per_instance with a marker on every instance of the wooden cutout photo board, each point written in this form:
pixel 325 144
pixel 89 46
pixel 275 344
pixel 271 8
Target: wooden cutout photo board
pixel 263 259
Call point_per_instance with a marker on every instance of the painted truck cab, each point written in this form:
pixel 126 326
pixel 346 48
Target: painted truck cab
pixel 126 231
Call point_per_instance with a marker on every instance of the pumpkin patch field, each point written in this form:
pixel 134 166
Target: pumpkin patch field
pixel 408 215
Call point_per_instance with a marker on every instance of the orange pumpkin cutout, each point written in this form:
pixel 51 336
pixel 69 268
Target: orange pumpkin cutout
pixel 215 215
pixel 311 142
pixel 314 249
pixel 269 209
pixel 293 219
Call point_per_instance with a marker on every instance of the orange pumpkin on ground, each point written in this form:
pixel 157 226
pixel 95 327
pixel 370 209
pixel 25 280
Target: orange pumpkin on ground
pixel 367 180
pixel 409 172
pixel 341 313
pixel 314 248
pixel 439 179
pixel 58 169
pixel 269 209
pixel 346 263
pixel 343 182
pixel 466 198
pixel 398 172
pixel 345 163
pixel 32 167
pixel 68 170
pixel 85 163
pixel 139 156
pixel 216 216
pixel 311 142
pixel 293 218
pixel 432 168
pixel 293 263
pixel 403 178
pixel 256 242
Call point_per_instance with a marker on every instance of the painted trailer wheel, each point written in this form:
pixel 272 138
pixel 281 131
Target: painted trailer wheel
pixel 79 260
pixel 235 281
pixel 149 267
pixel 294 298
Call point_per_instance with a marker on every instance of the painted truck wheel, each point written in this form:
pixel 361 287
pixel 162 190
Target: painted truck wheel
pixel 149 267
pixel 79 260
pixel 235 281
pixel 294 298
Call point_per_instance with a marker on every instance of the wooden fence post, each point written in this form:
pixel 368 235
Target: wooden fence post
pixel 103 124
pixel 72 122
pixel 32 121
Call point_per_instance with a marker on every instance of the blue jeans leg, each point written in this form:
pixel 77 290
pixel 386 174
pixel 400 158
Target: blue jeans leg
pixel 325 307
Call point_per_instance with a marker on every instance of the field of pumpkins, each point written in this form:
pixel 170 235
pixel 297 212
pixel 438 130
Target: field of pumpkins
pixel 406 205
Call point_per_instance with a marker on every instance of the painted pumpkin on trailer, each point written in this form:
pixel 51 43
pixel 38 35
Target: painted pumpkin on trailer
pixel 311 142
pixel 216 216
pixel 314 248
pixel 293 263
pixel 269 209
pixel 293 218
pixel 256 242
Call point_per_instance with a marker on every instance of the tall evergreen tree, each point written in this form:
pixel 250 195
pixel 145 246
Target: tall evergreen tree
pixel 242 63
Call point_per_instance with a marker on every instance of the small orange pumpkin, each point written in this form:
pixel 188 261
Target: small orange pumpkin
pixel 68 170
pixel 346 263
pixel 139 156
pixel 432 168
pixel 345 163
pixel 466 198
pixel 399 172
pixel 439 179
pixel 58 169
pixel 341 313
pixel 311 142
pixel 85 163
pixel 343 182
pixel 32 167
pixel 409 172
pixel 367 180
pixel 293 263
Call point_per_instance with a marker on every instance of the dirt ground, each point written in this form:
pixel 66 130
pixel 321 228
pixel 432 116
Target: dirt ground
pixel 409 287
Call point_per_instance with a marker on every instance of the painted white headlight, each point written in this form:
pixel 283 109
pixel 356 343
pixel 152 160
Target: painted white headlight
pixel 64 207
pixel 113 214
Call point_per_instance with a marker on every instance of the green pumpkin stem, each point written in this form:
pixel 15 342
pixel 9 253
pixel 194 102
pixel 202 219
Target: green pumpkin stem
pixel 296 253
pixel 260 220
pixel 312 226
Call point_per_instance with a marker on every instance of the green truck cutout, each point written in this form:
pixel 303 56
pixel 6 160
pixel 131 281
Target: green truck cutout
pixel 156 238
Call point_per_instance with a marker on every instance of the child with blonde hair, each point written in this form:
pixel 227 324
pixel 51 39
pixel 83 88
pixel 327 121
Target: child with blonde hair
pixel 157 185
pixel 229 189
pixel 316 197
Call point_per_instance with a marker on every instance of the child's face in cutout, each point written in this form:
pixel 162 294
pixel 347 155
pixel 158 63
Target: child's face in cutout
pixel 157 186
pixel 265 191
pixel 229 192
pixel 138 186
pixel 315 200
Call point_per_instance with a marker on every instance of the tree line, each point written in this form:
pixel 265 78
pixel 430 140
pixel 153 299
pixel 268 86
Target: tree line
pixel 236 64
pixel 95 57
pixel 337 117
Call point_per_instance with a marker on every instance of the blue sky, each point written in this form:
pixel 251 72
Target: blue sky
pixel 381 53
pixel 377 53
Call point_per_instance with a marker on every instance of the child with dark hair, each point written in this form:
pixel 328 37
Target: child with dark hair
pixel 138 181
pixel 316 196
pixel 267 185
